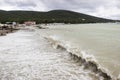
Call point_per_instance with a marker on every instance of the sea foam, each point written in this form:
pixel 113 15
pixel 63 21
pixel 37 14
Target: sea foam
pixel 86 59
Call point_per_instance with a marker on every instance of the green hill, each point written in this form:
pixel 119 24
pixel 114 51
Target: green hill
pixel 57 16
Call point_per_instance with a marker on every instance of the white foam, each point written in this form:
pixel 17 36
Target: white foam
pixel 87 56
pixel 119 77
pixel 78 52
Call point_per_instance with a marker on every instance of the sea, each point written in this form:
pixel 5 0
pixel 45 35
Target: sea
pixel 97 44
pixel 62 52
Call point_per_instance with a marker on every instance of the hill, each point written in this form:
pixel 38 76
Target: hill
pixel 57 16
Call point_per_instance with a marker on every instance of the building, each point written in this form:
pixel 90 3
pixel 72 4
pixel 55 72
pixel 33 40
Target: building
pixel 11 24
pixel 29 23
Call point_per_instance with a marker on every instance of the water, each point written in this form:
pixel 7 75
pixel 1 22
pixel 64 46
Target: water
pixel 96 43
pixel 26 55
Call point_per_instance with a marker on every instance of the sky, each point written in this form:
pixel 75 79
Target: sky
pixel 102 8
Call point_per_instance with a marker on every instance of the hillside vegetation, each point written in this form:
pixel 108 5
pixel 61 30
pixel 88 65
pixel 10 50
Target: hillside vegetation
pixel 54 16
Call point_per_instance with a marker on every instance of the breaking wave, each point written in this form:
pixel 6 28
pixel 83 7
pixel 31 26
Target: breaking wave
pixel 88 61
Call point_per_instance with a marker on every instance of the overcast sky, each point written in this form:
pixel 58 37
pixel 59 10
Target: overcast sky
pixel 102 8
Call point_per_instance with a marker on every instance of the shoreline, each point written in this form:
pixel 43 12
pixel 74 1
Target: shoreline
pixel 7 31
pixel 34 56
pixel 88 63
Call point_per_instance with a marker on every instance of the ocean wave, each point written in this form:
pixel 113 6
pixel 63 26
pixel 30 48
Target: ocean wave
pixel 87 60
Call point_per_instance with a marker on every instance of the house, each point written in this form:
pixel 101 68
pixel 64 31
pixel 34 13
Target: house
pixel 29 23
pixel 11 24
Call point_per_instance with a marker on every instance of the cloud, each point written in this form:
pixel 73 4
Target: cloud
pixel 22 5
pixel 101 8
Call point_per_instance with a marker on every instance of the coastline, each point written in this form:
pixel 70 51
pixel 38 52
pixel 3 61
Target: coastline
pixel 7 31
pixel 34 58
pixel 41 36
